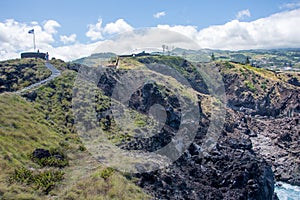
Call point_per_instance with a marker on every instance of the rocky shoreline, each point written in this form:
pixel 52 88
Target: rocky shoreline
pixel 232 170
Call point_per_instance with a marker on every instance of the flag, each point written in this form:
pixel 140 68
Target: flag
pixel 31 31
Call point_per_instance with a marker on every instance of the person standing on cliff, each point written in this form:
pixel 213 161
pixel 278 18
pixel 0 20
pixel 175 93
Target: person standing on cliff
pixel 47 56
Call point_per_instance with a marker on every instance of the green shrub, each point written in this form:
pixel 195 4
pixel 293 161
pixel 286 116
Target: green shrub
pixel 22 175
pixel 106 173
pixel 250 86
pixel 44 181
pixel 52 162
pixel 82 148
pixel 263 86
pixel 228 65
pixel 57 159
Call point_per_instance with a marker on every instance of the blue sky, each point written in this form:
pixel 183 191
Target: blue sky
pixel 69 21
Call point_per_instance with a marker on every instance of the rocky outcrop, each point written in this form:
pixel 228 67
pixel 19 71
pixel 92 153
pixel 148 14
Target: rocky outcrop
pixel 16 75
pixel 278 141
pixel 271 119
pixel 231 170
pixel 253 94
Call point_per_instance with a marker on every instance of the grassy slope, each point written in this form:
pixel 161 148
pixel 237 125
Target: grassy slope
pixel 257 80
pixel 19 73
pixel 22 129
pixel 47 123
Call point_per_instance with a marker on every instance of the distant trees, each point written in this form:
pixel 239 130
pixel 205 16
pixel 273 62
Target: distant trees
pixel 212 57
pixel 247 62
pixel 164 47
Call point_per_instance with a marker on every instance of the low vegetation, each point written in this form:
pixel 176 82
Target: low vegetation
pixel 43 119
pixel 19 73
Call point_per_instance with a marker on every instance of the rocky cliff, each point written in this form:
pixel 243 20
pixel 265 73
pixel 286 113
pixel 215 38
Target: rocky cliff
pixel 232 170
pixel 257 145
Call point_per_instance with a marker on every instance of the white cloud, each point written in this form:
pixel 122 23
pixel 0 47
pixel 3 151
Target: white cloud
pixel 145 39
pixel 14 36
pixel 118 26
pixel 290 5
pixel 159 14
pixel 95 31
pixel 68 39
pixel 188 31
pixel 243 14
pixel 276 31
pixel 14 39
pixel 50 26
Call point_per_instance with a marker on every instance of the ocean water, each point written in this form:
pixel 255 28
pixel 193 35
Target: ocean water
pixel 287 192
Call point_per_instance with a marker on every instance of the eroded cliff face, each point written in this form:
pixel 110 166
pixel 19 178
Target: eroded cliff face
pixel 276 140
pixel 258 144
pixel 232 170
pixel 270 116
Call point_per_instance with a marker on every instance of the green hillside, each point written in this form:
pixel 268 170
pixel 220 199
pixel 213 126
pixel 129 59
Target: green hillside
pixel 19 73
pixel 43 120
pixel 275 59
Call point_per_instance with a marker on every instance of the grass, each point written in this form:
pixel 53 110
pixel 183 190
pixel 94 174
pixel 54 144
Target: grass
pixel 128 63
pixel 22 130
pixel 19 73
pixel 57 158
pixel 250 86
pixel 104 184
pixel 54 100
pixel 48 122
pixel 44 181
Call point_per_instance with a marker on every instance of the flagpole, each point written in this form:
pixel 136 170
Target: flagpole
pixel 34 41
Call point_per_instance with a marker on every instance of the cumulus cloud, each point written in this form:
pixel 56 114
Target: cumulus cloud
pixel 118 26
pixel 189 31
pixel 243 14
pixel 276 31
pixel 145 39
pixel 14 37
pixel 68 39
pixel 95 31
pixel 159 14
pixel 50 26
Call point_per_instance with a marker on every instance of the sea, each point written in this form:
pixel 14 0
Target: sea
pixel 287 192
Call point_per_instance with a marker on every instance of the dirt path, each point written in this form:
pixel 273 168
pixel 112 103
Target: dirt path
pixel 54 73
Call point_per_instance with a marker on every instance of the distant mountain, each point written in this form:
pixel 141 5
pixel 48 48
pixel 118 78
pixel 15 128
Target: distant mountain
pixel 95 59
pixel 275 59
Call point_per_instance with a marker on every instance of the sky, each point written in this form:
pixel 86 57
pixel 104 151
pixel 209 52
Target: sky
pixel 72 29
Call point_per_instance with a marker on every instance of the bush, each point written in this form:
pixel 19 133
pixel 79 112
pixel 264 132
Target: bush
pixel 55 158
pixel 43 180
pixel 250 86
pixel 107 172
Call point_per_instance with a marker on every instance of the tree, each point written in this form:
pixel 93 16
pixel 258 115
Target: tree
pixel 247 60
pixel 164 48
pixel 213 58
